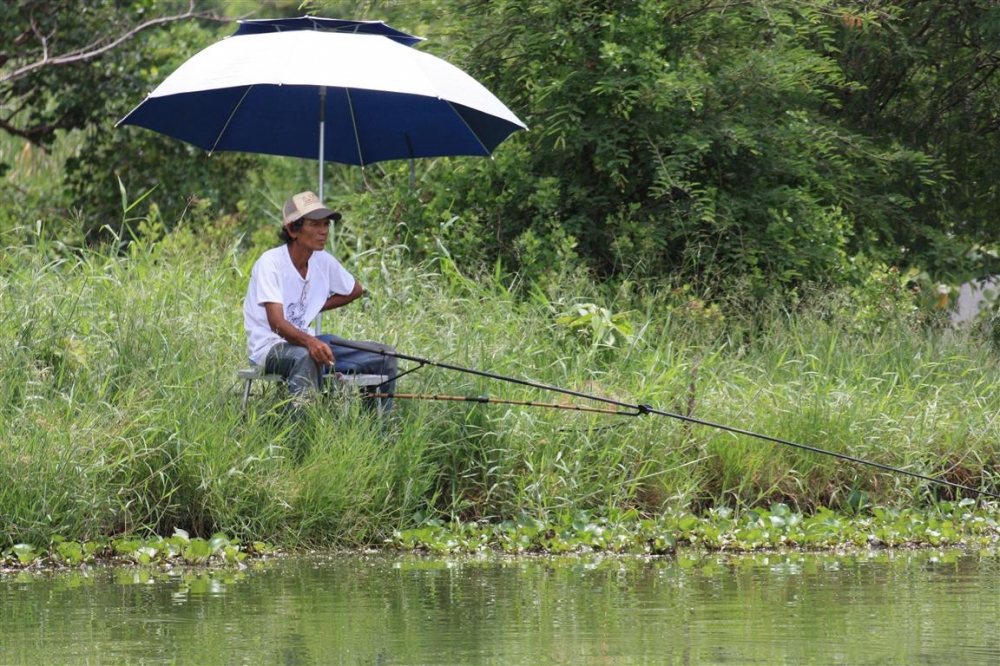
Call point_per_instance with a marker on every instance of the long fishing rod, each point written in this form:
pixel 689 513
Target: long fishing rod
pixel 644 409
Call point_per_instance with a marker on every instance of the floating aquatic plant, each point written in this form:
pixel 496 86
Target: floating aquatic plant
pixel 178 549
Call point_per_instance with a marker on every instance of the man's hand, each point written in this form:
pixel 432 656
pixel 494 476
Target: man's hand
pixel 320 351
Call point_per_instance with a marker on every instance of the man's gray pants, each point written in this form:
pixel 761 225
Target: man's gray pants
pixel 305 376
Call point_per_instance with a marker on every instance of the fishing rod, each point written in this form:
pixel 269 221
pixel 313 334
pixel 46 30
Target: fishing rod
pixel 636 410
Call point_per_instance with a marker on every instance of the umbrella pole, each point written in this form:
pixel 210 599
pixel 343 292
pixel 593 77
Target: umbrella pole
pixel 322 127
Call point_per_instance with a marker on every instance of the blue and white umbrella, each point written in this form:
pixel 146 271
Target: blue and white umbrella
pixel 354 97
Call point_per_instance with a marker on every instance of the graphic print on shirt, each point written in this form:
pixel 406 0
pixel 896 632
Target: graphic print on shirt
pixel 295 313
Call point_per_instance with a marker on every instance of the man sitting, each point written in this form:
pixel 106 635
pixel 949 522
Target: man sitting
pixel 289 286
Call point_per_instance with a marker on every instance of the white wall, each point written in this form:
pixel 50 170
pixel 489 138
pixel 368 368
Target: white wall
pixel 975 296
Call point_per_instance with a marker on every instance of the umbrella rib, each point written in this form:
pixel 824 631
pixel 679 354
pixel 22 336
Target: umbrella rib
pixel 482 145
pixel 236 107
pixel 354 125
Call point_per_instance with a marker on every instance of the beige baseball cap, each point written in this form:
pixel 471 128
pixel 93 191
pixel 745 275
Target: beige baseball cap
pixel 307 204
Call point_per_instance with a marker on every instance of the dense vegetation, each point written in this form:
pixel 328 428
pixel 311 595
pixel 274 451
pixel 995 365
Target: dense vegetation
pixel 748 213
pixel 771 143
pixel 121 406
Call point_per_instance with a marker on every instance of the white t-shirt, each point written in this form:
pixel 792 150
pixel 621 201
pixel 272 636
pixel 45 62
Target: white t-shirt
pixel 274 279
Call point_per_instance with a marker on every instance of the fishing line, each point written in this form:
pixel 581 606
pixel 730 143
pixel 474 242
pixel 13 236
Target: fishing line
pixel 500 401
pixel 644 409
pixel 504 401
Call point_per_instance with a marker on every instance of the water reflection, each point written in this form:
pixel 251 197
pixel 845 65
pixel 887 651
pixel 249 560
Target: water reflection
pixel 876 608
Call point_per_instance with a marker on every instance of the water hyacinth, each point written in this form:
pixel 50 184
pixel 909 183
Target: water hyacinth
pixel 961 524
pixel 179 549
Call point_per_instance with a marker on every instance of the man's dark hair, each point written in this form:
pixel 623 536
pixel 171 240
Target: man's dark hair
pixel 295 226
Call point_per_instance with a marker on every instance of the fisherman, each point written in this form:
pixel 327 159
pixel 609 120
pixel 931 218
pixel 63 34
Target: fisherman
pixel 289 286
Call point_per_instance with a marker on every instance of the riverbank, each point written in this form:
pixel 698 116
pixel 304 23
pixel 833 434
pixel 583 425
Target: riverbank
pixel 122 412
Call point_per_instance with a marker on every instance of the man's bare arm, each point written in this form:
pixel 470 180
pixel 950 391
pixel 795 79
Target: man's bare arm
pixel 318 350
pixel 340 300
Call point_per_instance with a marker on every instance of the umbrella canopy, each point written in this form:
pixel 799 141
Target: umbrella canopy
pixel 344 97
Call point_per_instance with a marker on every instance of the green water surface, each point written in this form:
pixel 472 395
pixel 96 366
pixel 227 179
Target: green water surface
pixel 880 607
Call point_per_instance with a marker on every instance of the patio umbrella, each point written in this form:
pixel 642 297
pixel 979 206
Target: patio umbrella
pixel 351 97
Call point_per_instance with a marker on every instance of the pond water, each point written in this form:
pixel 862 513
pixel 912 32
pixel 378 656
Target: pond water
pixel 923 607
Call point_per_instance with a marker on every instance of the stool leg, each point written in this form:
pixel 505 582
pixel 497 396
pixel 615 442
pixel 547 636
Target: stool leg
pixel 246 395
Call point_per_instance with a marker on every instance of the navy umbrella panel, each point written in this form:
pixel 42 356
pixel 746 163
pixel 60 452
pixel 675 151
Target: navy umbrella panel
pixel 318 23
pixel 364 98
pixel 377 134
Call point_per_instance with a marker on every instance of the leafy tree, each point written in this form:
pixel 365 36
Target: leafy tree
pixel 928 74
pixel 688 137
pixel 68 65
pixel 181 176
pixel 51 47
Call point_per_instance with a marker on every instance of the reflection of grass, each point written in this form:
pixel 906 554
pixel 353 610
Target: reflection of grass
pixel 121 408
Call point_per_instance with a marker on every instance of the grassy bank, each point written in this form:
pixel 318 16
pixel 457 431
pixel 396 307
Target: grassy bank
pixel 121 406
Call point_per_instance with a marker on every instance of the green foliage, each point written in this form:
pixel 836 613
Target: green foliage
pixel 662 136
pixel 33 97
pixel 187 180
pixel 179 549
pixel 62 78
pixel 33 201
pixel 597 326
pixel 764 144
pixel 708 142
pixel 701 161
pixel 121 410
pixel 775 527
pixel 924 75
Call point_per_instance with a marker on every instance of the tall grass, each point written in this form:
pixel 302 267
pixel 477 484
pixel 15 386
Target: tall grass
pixel 121 409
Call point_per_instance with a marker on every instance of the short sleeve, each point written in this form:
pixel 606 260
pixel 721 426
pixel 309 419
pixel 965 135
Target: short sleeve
pixel 269 283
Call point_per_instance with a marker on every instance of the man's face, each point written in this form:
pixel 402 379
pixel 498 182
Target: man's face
pixel 313 234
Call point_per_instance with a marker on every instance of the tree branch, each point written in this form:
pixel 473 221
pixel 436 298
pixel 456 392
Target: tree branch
pixel 97 49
